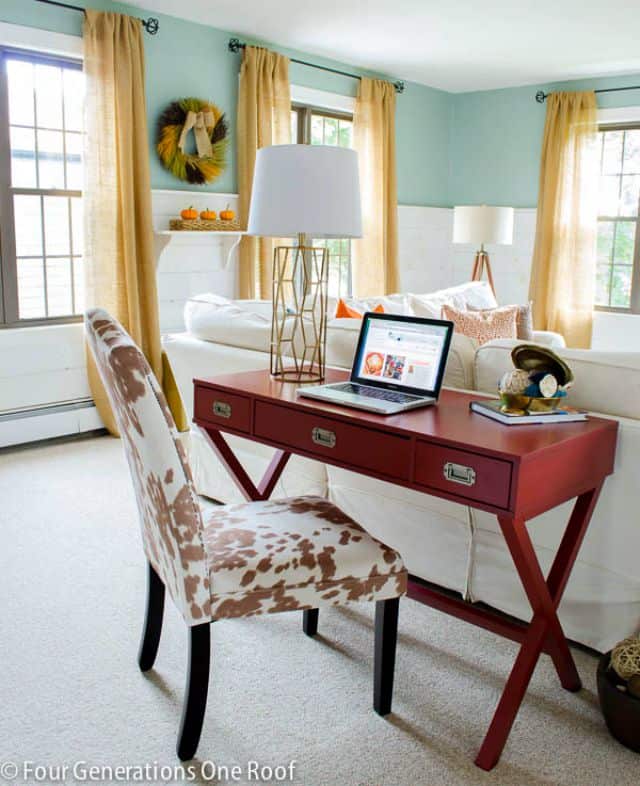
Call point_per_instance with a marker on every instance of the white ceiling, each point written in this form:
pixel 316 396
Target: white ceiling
pixel 455 45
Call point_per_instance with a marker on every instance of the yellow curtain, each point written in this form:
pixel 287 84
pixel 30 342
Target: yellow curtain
pixel 375 256
pixel 264 118
pixel 563 271
pixel 120 271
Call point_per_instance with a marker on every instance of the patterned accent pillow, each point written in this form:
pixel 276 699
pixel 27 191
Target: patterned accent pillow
pixel 483 326
pixel 524 319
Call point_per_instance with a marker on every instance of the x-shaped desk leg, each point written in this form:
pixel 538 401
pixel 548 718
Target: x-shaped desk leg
pixel 544 629
pixel 238 474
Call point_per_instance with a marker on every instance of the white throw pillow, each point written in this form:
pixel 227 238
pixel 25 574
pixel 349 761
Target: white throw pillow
pixel 392 304
pixel 472 294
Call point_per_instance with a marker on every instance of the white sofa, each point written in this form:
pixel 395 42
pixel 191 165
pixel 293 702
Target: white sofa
pixel 442 542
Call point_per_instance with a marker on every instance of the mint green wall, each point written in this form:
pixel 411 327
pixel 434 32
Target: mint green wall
pixel 191 59
pixel 496 138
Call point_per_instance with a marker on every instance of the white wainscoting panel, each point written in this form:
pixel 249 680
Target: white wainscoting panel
pixel 424 248
pixel 189 265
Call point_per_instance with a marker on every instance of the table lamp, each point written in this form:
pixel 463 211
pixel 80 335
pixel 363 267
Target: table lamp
pixel 480 224
pixel 308 192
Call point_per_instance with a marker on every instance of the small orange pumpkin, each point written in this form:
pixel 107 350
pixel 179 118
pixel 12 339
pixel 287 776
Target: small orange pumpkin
pixel 189 214
pixel 227 214
pixel 208 215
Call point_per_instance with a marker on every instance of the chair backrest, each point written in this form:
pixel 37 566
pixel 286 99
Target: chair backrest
pixel 169 511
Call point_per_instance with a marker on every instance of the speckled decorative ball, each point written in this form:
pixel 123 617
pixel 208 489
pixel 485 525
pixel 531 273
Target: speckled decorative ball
pixel 515 381
pixel 625 658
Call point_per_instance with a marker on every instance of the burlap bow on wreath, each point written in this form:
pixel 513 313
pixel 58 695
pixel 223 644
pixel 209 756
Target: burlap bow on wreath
pixel 210 131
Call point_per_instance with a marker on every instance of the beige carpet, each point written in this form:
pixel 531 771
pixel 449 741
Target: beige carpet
pixel 72 583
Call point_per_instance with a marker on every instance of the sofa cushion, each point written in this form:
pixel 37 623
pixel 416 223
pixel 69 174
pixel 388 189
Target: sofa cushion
pixel 471 294
pixel 605 382
pixel 235 323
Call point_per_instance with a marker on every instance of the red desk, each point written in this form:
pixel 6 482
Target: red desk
pixel 515 472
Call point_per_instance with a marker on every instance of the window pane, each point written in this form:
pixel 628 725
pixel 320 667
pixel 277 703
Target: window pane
pixel 316 130
pixel 609 195
pixel 330 131
pixel 73 144
pixel 23 157
pixel 603 277
pixel 28 226
pixel 73 86
pixel 345 134
pixel 621 287
pixel 49 96
pixel 77 228
pixel 56 226
pixel 20 78
pixel 605 241
pixel 59 287
pixel 50 159
pixel 78 284
pixel 31 289
pixel 624 242
pixel 629 195
pixel 612 152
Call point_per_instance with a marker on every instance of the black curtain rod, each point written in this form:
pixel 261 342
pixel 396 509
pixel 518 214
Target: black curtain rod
pixel 542 97
pixel 235 45
pixel 151 25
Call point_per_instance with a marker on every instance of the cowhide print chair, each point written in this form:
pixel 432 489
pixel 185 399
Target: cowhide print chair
pixel 241 560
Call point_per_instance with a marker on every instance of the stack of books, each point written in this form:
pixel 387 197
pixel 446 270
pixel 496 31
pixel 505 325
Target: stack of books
pixel 492 409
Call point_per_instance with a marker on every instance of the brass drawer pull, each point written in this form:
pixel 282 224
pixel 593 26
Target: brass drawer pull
pixel 324 437
pixel 222 409
pixel 458 473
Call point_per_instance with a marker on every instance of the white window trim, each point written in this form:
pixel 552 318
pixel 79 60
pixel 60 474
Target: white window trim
pixel 622 114
pixel 37 40
pixel 322 99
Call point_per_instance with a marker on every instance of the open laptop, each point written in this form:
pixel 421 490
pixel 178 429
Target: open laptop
pixel 399 365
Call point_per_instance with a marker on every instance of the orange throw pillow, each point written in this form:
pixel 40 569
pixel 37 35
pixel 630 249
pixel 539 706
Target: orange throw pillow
pixel 344 311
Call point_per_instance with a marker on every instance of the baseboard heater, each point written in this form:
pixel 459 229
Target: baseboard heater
pixel 22 426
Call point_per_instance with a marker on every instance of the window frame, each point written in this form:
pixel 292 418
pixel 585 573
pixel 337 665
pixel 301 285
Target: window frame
pixel 305 112
pixel 9 303
pixel 634 301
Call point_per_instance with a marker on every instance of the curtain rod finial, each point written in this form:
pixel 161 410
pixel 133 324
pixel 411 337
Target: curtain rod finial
pixel 399 86
pixel 541 96
pixel 151 25
pixel 235 45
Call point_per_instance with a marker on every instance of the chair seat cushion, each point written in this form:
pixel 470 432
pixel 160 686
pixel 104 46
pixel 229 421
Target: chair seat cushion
pixel 294 554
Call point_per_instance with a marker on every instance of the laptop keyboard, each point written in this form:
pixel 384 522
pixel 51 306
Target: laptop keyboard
pixel 385 395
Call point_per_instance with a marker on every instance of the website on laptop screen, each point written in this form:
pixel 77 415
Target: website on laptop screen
pixel 401 353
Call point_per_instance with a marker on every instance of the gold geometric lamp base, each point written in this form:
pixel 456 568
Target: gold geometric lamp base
pixel 299 321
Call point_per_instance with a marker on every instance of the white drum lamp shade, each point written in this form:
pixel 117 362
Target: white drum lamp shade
pixel 305 189
pixel 483 224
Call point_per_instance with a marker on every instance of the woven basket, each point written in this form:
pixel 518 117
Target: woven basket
pixel 195 225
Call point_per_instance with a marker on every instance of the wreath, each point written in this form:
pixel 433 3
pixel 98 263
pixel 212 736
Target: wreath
pixel 210 130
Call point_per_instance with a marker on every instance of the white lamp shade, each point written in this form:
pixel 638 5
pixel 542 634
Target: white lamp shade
pixel 483 224
pixel 310 189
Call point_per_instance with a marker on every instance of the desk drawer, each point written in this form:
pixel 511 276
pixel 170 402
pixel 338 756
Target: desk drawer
pixel 353 445
pixel 222 409
pixel 464 474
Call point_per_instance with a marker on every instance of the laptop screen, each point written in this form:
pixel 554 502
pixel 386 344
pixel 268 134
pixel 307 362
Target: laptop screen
pixel 402 353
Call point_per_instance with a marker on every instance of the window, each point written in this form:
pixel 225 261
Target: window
pixel 618 263
pixel 313 126
pixel 41 117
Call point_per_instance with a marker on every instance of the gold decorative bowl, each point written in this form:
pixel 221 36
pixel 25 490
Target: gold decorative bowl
pixel 518 404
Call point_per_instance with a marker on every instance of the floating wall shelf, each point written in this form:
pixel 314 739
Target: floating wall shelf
pixel 166 236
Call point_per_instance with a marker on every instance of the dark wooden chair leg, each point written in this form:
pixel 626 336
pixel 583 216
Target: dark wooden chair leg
pixel 385 654
pixel 153 620
pixel 195 698
pixel 310 621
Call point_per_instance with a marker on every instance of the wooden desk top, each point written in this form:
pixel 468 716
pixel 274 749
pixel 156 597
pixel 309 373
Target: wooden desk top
pixel 450 421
